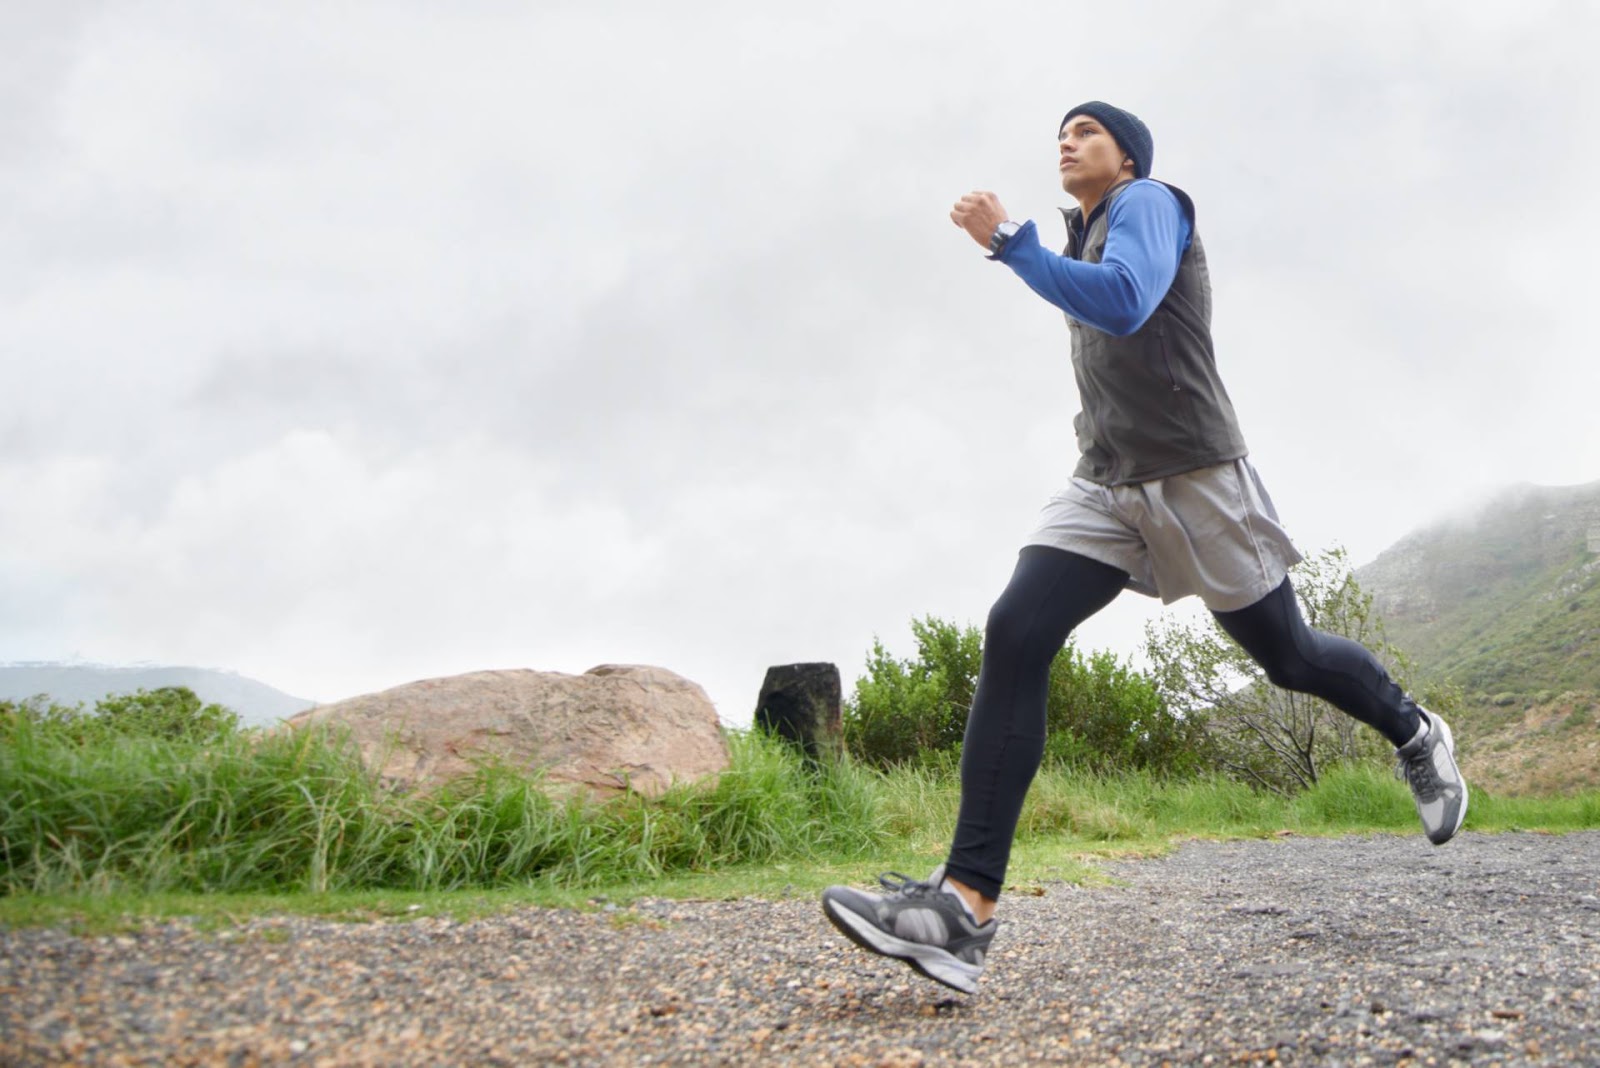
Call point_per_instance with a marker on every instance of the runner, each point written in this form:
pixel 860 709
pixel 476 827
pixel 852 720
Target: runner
pixel 1163 501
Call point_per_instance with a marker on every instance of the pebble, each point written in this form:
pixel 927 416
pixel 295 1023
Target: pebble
pixel 1370 950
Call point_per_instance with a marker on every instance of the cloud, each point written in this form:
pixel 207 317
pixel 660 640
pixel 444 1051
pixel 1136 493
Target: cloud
pixel 359 344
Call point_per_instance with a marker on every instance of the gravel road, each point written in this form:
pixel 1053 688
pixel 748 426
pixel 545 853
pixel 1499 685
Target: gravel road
pixel 1379 950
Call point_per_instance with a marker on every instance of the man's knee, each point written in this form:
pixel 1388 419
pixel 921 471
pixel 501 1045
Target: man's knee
pixel 1285 677
pixel 1015 631
pixel 1006 629
pixel 1288 670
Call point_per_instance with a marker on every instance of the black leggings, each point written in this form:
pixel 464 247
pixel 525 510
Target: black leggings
pixel 1049 595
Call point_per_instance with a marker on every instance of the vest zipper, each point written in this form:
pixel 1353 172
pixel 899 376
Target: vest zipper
pixel 1166 357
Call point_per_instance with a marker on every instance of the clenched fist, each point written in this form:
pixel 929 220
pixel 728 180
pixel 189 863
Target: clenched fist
pixel 978 214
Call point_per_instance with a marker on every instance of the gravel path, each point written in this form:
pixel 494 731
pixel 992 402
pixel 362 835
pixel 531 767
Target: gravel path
pixel 1375 950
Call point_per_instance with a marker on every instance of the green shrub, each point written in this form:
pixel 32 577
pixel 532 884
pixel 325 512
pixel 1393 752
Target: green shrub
pixel 1100 714
pixel 1104 716
pixel 170 712
pixel 908 711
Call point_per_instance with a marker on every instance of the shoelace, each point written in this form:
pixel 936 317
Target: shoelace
pixel 1419 771
pixel 904 885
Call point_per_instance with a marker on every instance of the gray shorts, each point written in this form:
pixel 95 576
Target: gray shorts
pixel 1211 532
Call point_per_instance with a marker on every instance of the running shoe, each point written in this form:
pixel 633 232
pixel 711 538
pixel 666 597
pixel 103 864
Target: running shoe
pixel 1428 764
pixel 916 922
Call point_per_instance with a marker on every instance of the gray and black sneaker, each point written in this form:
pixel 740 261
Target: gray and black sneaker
pixel 1428 763
pixel 916 922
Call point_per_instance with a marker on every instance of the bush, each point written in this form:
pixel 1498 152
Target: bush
pixel 170 712
pixel 1100 714
pixel 908 711
pixel 1104 716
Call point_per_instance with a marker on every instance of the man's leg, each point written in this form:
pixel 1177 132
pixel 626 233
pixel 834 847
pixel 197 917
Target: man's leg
pixel 1051 592
pixel 1346 675
pixel 944 931
pixel 1336 669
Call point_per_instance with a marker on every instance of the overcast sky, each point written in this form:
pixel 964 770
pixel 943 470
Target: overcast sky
pixel 343 345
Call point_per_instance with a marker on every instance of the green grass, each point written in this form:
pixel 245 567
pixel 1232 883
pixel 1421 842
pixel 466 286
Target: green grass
pixel 98 836
pixel 294 812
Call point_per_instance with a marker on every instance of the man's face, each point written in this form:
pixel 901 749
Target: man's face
pixel 1091 160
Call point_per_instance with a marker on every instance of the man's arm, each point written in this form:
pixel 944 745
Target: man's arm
pixel 1147 233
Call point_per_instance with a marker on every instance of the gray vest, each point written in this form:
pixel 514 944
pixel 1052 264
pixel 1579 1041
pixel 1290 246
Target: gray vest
pixel 1153 405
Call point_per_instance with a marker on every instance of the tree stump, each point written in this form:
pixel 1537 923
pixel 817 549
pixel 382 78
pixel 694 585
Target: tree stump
pixel 800 704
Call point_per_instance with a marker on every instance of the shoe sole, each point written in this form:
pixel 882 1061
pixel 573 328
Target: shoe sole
pixel 1461 816
pixel 929 961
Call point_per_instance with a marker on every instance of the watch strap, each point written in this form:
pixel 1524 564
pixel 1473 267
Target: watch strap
pixel 1002 233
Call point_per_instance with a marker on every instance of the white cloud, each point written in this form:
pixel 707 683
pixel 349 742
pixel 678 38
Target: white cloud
pixel 351 345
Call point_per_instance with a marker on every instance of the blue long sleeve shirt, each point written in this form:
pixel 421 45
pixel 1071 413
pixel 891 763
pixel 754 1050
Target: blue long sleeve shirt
pixel 1147 234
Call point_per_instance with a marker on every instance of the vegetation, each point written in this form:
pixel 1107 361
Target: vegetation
pixel 906 711
pixel 1105 717
pixel 1101 715
pixel 1507 643
pixel 172 712
pixel 155 796
pixel 295 811
pixel 1507 604
pixel 1205 704
pixel 286 821
pixel 1263 735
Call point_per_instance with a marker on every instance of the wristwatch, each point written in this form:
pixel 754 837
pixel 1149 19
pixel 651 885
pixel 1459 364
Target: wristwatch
pixel 1002 233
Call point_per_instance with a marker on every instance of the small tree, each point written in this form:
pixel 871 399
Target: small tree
pixel 1264 735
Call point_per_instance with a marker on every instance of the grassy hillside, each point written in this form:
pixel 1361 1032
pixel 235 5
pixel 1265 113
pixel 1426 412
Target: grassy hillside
pixel 1538 632
pixel 1505 605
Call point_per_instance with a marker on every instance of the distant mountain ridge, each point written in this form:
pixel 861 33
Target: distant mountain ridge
pixel 70 684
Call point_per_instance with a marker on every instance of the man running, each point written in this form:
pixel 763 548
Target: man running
pixel 1163 501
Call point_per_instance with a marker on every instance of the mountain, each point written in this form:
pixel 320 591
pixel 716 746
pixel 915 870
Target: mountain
pixel 1504 600
pixel 69 684
pixel 1504 603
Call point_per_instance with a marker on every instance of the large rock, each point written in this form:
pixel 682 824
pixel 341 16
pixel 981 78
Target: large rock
pixel 613 728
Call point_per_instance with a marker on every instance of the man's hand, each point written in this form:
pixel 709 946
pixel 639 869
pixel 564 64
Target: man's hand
pixel 978 214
